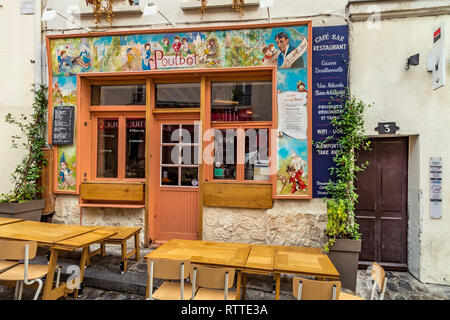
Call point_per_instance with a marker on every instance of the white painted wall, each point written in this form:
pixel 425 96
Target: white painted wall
pixel 330 12
pixel 378 75
pixel 16 78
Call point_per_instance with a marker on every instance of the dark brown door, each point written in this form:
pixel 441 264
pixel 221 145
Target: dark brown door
pixel 382 204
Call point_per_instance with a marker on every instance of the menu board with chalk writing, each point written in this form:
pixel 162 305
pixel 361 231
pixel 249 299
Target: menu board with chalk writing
pixel 63 125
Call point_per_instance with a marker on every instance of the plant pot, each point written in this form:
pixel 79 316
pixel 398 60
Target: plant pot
pixel 31 210
pixel 344 254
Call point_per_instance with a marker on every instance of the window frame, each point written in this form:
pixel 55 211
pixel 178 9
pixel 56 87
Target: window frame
pixel 121 161
pixel 240 126
pixel 179 165
pixel 122 112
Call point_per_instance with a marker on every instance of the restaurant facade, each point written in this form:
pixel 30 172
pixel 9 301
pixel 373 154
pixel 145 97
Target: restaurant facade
pixel 205 129
pixel 179 129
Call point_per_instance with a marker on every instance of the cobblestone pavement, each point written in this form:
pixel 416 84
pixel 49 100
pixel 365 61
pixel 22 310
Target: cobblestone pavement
pixel 103 281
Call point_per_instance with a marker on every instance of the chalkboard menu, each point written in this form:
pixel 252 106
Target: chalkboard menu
pixel 63 125
pixel 329 77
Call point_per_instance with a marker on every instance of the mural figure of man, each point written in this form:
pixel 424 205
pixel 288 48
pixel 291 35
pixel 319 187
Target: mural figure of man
pixel 289 56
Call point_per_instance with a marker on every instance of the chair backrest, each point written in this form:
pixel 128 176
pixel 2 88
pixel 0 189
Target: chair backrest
pixel 169 269
pixel 379 278
pixel 15 250
pixel 378 274
pixel 212 277
pixel 306 289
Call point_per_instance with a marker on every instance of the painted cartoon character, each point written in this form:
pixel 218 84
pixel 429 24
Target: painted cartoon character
pixel 296 171
pixel 301 86
pixel 295 178
pixel 64 62
pixel 130 58
pixel 212 48
pixel 166 44
pixel 185 47
pixel 269 55
pixel 83 60
pixel 176 45
pixel 298 163
pixel 146 57
pixel 65 175
pixel 210 52
pixel 57 94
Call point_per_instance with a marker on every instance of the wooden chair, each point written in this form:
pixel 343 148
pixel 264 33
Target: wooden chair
pixel 306 289
pixel 379 279
pixel 212 282
pixel 23 273
pixel 168 270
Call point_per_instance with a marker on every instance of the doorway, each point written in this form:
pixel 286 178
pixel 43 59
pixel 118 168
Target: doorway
pixel 382 204
pixel 174 195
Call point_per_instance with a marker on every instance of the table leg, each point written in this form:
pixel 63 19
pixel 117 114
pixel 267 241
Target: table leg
pixel 244 286
pixel 136 244
pixel 238 285
pixel 147 291
pixel 88 261
pixel 124 256
pixel 49 293
pixel 277 277
pixel 83 262
pixel 103 249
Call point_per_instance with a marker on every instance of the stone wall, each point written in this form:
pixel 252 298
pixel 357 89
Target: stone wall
pixel 289 222
pixel 67 212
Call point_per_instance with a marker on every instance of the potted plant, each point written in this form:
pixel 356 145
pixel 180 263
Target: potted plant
pixel 24 200
pixel 344 240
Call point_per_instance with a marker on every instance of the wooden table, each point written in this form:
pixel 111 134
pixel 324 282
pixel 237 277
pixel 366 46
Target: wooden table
pixel 255 258
pixel 8 220
pixel 274 259
pixel 121 236
pixel 224 254
pixel 58 238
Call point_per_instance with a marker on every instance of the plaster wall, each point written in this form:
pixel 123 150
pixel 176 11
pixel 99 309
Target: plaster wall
pixel 17 76
pixel 377 75
pixel 321 12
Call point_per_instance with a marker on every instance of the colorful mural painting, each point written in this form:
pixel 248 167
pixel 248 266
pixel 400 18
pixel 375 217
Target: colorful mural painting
pixel 106 55
pixel 64 93
pixel 66 175
pixel 285 47
pixel 293 119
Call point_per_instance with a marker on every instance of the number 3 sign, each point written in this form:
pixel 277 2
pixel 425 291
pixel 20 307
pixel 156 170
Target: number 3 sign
pixel 387 128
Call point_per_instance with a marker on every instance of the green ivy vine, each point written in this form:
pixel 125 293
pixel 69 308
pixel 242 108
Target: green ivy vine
pixel 350 138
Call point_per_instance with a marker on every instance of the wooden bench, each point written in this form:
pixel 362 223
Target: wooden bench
pixel 121 237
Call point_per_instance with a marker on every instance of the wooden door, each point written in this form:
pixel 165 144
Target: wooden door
pixel 175 184
pixel 382 204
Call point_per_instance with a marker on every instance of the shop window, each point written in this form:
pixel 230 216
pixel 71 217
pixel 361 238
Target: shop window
pixel 256 164
pixel 241 154
pixel 225 154
pixel 120 149
pixel 241 101
pixel 241 116
pixel 177 95
pixel 135 148
pixel 179 155
pixel 107 148
pixel 118 95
